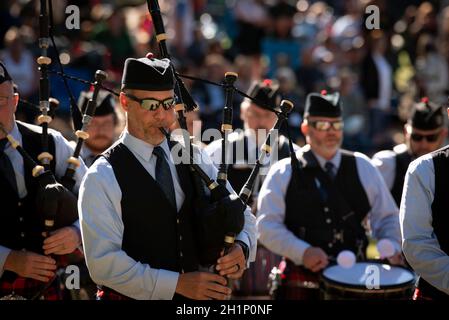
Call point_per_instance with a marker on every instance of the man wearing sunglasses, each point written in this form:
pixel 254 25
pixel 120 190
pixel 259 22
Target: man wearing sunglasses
pixel 424 132
pixel 424 223
pixel 310 211
pixel 137 205
pixel 244 147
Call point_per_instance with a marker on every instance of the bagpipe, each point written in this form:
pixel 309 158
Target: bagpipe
pixel 222 218
pixel 220 215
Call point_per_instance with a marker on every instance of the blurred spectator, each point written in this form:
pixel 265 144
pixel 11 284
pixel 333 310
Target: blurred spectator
pixel 377 83
pixel 252 18
pixel 289 90
pixel 114 35
pixel 20 63
pixel 211 98
pixel 431 70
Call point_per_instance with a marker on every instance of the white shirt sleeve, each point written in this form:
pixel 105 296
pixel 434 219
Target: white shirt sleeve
pixel 384 214
pixel 385 162
pixel 273 233
pixel 419 243
pixel 102 232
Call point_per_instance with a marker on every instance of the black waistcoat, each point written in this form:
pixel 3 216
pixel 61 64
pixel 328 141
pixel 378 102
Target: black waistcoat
pixel 440 217
pixel 21 227
pixel 154 232
pixel 334 224
pixel 403 159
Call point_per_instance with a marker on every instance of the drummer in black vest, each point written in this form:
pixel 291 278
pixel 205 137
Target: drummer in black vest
pixel 311 212
pixel 424 132
pixel 424 223
pixel 245 148
pixel 137 204
pixel 102 127
pixel 25 264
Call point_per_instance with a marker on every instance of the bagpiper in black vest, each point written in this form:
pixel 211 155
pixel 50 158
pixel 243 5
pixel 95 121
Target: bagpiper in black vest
pixel 403 160
pixel 21 227
pixel 334 224
pixel 440 217
pixel 238 176
pixel 154 232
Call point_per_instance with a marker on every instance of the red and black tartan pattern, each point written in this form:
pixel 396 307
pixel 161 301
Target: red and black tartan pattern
pixel 104 294
pixel 293 284
pixel 29 288
pixel 417 295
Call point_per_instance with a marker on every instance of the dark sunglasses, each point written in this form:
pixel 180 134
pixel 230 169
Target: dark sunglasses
pixel 322 125
pixel 429 137
pixel 152 104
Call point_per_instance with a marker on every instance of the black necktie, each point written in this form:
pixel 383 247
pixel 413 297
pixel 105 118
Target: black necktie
pixel 163 176
pixel 330 169
pixel 6 167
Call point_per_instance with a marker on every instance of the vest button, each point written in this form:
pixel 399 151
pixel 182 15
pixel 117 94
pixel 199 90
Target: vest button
pixel 21 219
pixel 326 209
pixel 180 254
pixel 328 221
pixel 177 221
pixel 19 204
pixel 22 234
pixel 330 245
pixel 180 238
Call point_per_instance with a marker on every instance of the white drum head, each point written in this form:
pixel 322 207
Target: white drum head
pixel 389 276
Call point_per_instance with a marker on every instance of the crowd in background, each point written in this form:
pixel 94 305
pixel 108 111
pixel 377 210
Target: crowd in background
pixel 305 46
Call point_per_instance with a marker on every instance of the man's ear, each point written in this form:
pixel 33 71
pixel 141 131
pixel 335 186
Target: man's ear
pixel 123 101
pixel 304 128
pixel 15 98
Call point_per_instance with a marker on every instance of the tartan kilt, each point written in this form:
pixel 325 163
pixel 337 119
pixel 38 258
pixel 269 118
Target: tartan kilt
pixel 297 283
pixel 28 288
pixel 105 294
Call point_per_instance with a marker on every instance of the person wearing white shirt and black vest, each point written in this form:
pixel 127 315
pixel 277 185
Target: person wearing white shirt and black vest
pixel 424 221
pixel 245 145
pixel 136 205
pixel 25 261
pixel 102 126
pixel 310 211
pixel 424 132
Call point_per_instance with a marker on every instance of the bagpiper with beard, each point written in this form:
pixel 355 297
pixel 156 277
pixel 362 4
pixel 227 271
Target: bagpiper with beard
pixel 424 132
pixel 244 149
pixel 102 127
pixel 137 205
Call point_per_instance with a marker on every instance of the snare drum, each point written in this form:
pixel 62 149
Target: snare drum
pixel 367 280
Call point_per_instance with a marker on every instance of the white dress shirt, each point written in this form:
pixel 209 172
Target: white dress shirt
pixel 419 243
pixel 63 150
pixel 214 151
pixel 271 206
pixel 385 161
pixel 102 226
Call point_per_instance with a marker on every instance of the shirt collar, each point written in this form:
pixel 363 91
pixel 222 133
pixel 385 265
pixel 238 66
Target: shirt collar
pixel 142 148
pixel 15 133
pixel 335 160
